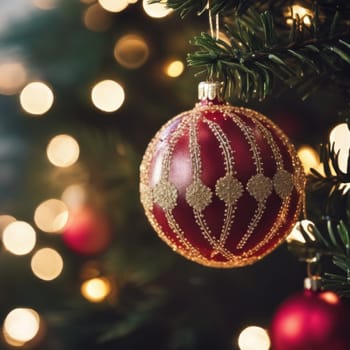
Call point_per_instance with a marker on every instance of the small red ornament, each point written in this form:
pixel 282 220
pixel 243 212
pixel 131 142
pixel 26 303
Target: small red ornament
pixel 221 185
pixel 87 232
pixel 311 320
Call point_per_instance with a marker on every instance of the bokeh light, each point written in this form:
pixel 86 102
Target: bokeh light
pixel 339 138
pixel 63 150
pixel 5 220
pixel 19 238
pixel 307 226
pixel 74 196
pixel 45 4
pixel 21 325
pixel 36 98
pixel 108 95
pixel 13 76
pixel 51 215
pixel 96 289
pixel 299 11
pixel 47 264
pixel 96 19
pixel 113 5
pixel 131 51
pixel 174 69
pixel 156 10
pixel 309 158
pixel 254 338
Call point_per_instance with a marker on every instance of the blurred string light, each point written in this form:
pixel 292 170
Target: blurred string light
pixel 114 5
pixel 51 215
pixel 299 11
pixel 5 220
pixel 74 196
pixel 45 4
pixel 156 10
pixel 96 289
pixel 306 226
pixel 47 264
pixel 254 338
pixel 131 51
pixel 20 326
pixel 96 19
pixel 309 158
pixel 19 238
pixel 174 69
pixel 339 139
pixel 36 98
pixel 13 76
pixel 107 95
pixel 63 150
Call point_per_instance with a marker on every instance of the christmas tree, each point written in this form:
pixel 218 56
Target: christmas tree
pixel 84 86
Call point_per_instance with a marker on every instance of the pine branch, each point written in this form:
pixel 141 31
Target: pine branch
pixel 258 56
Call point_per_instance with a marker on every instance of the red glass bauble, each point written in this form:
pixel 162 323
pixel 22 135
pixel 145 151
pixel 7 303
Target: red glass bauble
pixel 221 185
pixel 87 232
pixel 311 321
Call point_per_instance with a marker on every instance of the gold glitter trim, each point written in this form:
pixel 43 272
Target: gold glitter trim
pixel 146 196
pixel 260 187
pixel 228 189
pixel 283 183
pixel 198 196
pixel 165 194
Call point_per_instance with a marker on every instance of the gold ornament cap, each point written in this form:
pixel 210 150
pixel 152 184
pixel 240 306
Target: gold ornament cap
pixel 210 91
pixel 313 283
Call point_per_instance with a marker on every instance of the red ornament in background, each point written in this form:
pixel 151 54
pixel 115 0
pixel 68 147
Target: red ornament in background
pixel 221 185
pixel 311 320
pixel 87 232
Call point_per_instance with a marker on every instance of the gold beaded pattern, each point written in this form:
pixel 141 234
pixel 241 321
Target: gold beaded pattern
pixel 228 188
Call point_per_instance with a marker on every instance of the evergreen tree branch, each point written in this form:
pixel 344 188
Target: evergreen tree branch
pixel 258 56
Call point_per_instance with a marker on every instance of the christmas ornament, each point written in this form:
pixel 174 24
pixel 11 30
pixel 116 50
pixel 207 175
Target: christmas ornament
pixel 311 320
pixel 221 185
pixel 87 232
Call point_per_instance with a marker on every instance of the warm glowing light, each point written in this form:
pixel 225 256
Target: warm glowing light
pixel 131 51
pixel 45 4
pixel 13 76
pixel 47 264
pixel 19 238
pixel 330 297
pixel 21 325
pixel 5 220
pixel 51 215
pixel 108 95
pixel 132 1
pixel 309 158
pixel 113 5
pixel 74 196
pixel 174 69
pixel 63 150
pixel 96 19
pixel 96 289
pixel 339 138
pixel 156 10
pixel 36 98
pixel 307 226
pixel 254 338
pixel 299 11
